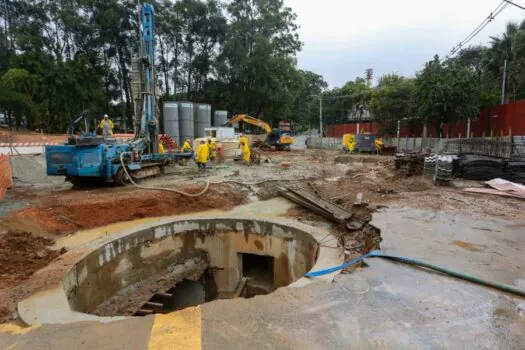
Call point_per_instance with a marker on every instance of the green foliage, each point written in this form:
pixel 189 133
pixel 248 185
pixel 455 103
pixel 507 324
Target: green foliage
pixel 392 100
pixel 58 58
pixel 73 55
pixel 351 102
pixel 446 92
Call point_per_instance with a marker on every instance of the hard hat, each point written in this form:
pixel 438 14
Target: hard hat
pixel 106 116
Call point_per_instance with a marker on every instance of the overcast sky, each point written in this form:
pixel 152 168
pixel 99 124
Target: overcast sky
pixel 344 37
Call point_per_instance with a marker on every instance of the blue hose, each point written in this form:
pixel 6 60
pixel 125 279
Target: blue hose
pixel 410 261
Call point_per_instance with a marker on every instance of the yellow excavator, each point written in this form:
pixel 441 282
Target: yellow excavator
pixel 280 139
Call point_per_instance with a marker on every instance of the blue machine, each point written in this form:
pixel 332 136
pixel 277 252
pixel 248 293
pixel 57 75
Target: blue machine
pixel 88 158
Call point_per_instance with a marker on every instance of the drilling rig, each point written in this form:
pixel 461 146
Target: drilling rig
pixel 90 159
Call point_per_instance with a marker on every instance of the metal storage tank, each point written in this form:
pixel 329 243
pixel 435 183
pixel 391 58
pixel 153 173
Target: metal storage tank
pixel 171 120
pixel 202 115
pixel 186 121
pixel 220 118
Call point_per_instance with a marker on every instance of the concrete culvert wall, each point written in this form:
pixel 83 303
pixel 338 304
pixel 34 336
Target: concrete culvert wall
pixel 228 257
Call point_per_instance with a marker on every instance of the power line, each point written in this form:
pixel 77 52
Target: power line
pixel 512 3
pixel 503 4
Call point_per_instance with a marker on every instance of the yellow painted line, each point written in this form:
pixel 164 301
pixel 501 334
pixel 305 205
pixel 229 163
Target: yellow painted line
pixel 177 330
pixel 16 329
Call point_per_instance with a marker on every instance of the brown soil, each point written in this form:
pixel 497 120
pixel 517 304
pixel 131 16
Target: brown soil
pixel 45 278
pixel 21 254
pixel 66 212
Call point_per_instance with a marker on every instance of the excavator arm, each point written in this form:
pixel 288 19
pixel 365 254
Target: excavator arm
pixel 251 120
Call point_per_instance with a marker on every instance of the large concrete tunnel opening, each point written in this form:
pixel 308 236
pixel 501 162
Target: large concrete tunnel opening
pixel 186 263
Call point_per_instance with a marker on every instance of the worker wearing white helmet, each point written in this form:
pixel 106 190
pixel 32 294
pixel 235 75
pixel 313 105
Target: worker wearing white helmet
pixel 107 126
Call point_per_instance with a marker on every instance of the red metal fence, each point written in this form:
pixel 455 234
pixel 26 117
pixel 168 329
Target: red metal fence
pixel 499 120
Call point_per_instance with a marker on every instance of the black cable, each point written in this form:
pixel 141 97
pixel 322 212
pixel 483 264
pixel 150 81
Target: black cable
pixel 512 3
pixel 481 26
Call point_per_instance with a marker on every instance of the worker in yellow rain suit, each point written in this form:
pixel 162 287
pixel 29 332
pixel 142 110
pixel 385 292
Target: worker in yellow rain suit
pixel 107 126
pixel 378 143
pixel 348 143
pixel 161 148
pixel 245 149
pixel 243 139
pixel 201 156
pixel 212 148
pixel 186 147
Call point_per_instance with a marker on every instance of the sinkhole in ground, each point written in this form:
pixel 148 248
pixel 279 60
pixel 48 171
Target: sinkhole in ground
pixel 185 263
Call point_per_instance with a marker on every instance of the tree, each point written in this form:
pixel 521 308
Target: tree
pixel 392 100
pixel 446 92
pixel 350 102
pixel 256 66
pixel 312 86
pixel 22 99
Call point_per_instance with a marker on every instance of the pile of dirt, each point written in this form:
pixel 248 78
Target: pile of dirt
pixel 67 212
pixel 21 254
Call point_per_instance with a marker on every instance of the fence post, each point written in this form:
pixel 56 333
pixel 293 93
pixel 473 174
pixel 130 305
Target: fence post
pixel 511 142
pixel 491 141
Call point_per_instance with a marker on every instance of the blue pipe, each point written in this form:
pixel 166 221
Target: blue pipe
pixel 410 261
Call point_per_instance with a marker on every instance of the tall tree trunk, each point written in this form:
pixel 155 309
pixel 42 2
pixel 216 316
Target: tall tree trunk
pixel 176 65
pixel 164 66
pixel 190 57
pixel 126 85
pixel 106 80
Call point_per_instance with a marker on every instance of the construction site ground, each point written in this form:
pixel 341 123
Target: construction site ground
pixel 380 304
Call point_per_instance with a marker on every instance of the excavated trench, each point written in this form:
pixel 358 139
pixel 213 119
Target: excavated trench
pixel 189 262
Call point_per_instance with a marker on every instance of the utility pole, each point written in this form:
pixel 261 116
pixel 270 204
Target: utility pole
pixel 309 121
pixel 320 116
pixel 504 81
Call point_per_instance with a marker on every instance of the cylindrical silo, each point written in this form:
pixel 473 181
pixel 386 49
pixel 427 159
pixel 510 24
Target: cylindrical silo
pixel 186 121
pixel 220 118
pixel 202 114
pixel 171 120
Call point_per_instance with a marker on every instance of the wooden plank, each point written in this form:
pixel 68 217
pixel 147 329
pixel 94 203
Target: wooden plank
pixel 307 205
pixel 491 191
pixel 338 212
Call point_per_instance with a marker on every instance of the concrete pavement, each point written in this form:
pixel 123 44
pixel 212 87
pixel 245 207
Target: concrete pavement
pixel 384 304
